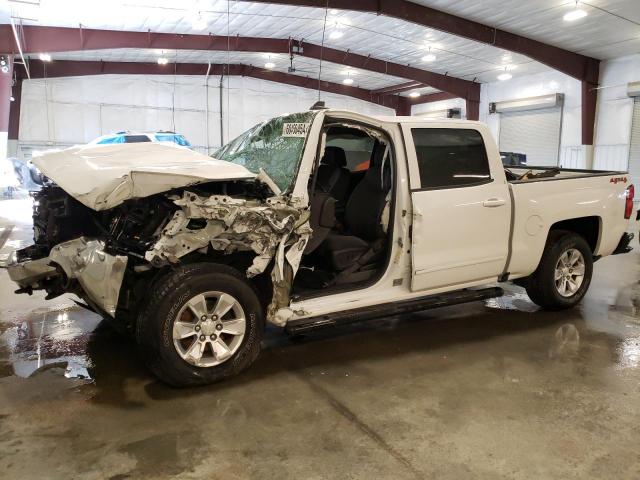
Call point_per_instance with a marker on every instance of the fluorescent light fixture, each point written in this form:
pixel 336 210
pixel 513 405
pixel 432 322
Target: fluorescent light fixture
pixel 163 61
pixel 336 34
pixel 414 94
pixel 574 15
pixel 505 76
pixel 270 65
pixel 45 57
pixel 430 57
pixel 199 23
pixel 348 81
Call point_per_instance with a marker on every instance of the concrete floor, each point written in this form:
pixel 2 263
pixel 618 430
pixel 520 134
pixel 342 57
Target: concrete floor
pixel 485 390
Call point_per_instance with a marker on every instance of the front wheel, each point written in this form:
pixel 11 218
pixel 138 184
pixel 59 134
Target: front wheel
pixel 203 323
pixel 564 273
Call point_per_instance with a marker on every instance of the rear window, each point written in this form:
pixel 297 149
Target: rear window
pixel 173 138
pixel 357 149
pixel 449 158
pixel 136 139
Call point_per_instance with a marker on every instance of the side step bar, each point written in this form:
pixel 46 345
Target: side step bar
pixel 304 325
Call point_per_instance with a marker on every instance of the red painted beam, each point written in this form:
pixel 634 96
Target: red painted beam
pixel 58 39
pixel 67 68
pixel 433 97
pixel 573 64
pixel 457 86
pixel 402 87
pixel 14 110
pixel 6 79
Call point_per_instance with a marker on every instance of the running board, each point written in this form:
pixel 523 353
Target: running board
pixel 304 325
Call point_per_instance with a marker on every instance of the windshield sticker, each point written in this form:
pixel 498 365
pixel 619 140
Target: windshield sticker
pixel 295 129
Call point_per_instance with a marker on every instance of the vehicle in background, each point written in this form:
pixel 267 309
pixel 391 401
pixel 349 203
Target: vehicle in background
pixel 511 159
pixel 134 137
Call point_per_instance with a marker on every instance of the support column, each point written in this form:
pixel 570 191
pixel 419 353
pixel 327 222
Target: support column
pixel 6 76
pixel 404 107
pixel 589 104
pixel 473 109
pixel 14 117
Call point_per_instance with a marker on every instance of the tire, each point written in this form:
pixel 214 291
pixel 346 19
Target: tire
pixel 541 285
pixel 171 308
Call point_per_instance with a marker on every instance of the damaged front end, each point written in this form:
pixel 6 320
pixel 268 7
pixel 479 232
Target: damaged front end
pixel 110 258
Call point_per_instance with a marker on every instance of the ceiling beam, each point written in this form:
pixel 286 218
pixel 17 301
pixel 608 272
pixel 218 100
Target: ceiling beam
pixel 573 64
pixel 57 39
pixel 433 97
pixel 402 87
pixel 69 68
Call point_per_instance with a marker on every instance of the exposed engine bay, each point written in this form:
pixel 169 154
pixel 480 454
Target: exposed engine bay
pixel 109 258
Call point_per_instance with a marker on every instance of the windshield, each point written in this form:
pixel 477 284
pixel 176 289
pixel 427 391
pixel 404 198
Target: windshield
pixel 275 146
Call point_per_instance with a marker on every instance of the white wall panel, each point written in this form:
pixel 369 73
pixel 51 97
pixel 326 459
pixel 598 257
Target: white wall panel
pixel 441 105
pixel 75 110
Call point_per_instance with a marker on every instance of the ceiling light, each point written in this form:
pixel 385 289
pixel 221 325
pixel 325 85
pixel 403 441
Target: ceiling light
pixel 347 81
pixel 430 57
pixel 3 62
pixel 12 99
pixel 335 35
pixel 45 57
pixel 270 65
pixel 163 61
pixel 575 14
pixel 4 69
pixel 199 23
pixel 505 76
pixel 414 94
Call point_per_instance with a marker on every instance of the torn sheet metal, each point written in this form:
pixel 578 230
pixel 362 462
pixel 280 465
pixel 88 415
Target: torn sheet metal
pixel 104 176
pixel 271 229
pixel 32 273
pixel 99 274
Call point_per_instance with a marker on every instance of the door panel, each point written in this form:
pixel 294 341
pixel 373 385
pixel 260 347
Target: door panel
pixel 461 206
pixel 460 235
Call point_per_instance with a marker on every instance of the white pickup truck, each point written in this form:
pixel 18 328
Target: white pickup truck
pixel 308 220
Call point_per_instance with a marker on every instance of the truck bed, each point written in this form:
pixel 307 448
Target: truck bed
pixel 540 174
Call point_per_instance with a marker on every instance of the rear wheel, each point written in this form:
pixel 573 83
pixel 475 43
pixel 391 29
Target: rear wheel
pixel 203 323
pixel 564 273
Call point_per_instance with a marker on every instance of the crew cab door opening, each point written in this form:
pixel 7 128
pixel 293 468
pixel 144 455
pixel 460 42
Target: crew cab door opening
pixel 351 193
pixel 461 207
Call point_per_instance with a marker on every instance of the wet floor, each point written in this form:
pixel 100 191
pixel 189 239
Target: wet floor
pixel 485 390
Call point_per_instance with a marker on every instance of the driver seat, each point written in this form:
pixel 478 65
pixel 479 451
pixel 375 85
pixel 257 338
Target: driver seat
pixel 362 221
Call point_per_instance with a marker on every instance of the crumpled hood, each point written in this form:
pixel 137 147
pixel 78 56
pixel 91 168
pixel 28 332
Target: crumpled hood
pixel 104 176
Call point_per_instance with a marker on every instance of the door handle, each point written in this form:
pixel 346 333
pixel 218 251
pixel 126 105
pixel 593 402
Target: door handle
pixel 493 202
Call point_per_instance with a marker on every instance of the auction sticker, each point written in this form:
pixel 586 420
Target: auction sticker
pixel 295 129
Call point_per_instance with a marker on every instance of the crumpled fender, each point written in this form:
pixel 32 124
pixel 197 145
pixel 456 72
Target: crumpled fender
pixel 272 230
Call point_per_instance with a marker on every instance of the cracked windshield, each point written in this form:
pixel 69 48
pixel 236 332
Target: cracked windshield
pixel 274 146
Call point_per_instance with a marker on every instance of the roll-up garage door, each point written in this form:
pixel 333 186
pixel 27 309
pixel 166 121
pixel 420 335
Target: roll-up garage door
pixel 535 133
pixel 634 151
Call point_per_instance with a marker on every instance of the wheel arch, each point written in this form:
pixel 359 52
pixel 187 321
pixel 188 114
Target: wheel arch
pixel 589 228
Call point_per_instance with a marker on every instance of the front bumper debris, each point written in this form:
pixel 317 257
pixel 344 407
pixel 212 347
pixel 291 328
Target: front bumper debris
pixel 623 245
pixel 99 274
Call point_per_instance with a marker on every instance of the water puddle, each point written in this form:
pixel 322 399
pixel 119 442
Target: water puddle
pixel 49 338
